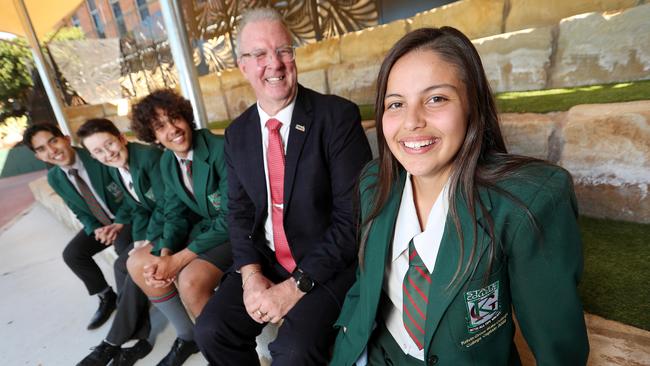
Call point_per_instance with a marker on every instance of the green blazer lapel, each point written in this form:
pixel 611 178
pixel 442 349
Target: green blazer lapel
pixel 201 172
pixel 443 291
pixel 134 170
pixel 66 189
pixel 176 176
pixel 300 127
pixel 378 247
pixel 94 170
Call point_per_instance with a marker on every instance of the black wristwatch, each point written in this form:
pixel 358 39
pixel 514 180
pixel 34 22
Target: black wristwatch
pixel 303 281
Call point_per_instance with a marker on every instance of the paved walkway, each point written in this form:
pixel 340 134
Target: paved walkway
pixel 45 308
pixel 16 196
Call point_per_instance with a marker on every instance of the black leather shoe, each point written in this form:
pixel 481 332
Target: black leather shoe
pixel 100 356
pixel 180 352
pixel 106 306
pixel 128 356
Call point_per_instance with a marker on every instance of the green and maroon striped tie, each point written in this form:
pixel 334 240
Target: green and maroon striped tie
pixel 416 297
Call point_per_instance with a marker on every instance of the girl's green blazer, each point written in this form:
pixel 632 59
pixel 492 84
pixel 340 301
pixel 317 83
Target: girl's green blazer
pixel 470 320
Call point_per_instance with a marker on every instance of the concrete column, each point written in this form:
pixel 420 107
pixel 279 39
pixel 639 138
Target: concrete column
pixel 53 94
pixel 182 53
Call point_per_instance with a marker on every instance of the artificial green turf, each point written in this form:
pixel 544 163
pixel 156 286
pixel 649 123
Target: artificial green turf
pixel 552 100
pixel 215 125
pixel 616 278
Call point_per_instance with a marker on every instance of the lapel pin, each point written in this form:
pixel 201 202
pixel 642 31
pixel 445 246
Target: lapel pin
pixel 300 128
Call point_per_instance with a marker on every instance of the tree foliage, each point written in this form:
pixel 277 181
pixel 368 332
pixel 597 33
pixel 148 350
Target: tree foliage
pixel 15 78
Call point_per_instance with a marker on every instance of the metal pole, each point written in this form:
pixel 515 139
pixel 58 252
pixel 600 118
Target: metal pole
pixel 181 52
pixel 41 65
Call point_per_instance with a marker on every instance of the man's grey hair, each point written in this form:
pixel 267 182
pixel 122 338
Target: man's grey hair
pixel 257 15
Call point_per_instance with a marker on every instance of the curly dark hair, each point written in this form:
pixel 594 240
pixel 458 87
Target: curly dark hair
pixel 144 113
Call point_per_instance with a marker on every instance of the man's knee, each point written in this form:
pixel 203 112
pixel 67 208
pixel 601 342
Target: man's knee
pixel 300 350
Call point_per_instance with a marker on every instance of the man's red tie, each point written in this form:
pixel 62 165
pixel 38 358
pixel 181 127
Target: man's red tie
pixel 275 162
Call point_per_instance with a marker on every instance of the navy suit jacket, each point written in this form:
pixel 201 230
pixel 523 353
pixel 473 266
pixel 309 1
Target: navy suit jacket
pixel 326 151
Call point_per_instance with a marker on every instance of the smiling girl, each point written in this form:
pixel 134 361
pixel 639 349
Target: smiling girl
pixel 457 235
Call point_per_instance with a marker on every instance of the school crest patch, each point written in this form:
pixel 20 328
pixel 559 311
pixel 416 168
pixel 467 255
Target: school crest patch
pixel 150 195
pixel 115 190
pixel 482 306
pixel 215 200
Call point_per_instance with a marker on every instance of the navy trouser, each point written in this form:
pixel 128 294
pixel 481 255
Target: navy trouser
pixel 226 334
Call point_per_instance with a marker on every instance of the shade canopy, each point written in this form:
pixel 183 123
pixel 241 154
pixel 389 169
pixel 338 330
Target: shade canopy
pixel 45 15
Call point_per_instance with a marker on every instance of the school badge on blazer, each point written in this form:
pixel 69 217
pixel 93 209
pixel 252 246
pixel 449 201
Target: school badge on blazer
pixel 484 313
pixel 482 306
pixel 149 195
pixel 215 200
pixel 115 190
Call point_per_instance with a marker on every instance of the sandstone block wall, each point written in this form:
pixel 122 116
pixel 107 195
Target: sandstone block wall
pixel 606 148
pixel 518 60
pixel 600 48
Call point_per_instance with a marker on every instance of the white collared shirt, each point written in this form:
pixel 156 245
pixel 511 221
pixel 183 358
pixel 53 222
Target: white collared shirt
pixel 83 174
pixel 427 243
pixel 127 179
pixel 186 180
pixel 284 116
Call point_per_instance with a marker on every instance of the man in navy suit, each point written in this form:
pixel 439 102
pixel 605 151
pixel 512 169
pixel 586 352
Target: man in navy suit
pixel 293 161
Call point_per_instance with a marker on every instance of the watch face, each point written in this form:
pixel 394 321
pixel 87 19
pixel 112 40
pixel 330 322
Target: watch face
pixel 303 282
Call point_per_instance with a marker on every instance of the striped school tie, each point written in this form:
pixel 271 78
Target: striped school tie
pixel 416 297
pixel 90 198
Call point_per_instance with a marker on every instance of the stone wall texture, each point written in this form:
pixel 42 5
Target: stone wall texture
pixel 524 14
pixel 475 18
pixel 517 60
pixel 607 149
pixel 600 47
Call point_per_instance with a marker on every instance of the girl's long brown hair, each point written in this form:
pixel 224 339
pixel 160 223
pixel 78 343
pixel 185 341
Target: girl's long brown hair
pixel 482 159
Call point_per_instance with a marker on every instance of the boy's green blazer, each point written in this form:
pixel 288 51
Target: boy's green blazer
pixel 469 321
pixel 147 216
pixel 102 183
pixel 201 218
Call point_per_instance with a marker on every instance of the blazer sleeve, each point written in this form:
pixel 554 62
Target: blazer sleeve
pixel 545 265
pixel 217 233
pixel 347 153
pixel 88 221
pixel 241 217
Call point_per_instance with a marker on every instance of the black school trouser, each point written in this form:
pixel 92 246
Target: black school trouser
pixel 78 255
pixel 132 316
pixel 226 334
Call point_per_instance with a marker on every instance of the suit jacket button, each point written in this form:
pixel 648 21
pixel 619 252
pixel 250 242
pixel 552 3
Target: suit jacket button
pixel 432 360
pixel 345 329
pixel 250 237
